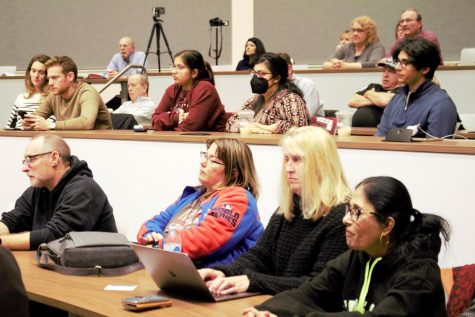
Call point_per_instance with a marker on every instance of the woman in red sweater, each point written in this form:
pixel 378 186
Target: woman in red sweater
pixel 192 102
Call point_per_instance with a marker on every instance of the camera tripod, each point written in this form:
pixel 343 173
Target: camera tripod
pixel 218 47
pixel 157 28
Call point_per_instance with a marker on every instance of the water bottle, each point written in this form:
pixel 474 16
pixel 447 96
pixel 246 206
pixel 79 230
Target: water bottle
pixel 172 241
pixel 246 117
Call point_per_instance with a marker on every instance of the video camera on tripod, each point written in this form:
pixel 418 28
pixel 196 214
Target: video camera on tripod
pixel 157 29
pixel 157 11
pixel 218 22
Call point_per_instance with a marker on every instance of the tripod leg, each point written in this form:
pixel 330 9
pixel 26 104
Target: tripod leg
pixel 166 43
pixel 158 29
pixel 148 45
pixel 217 53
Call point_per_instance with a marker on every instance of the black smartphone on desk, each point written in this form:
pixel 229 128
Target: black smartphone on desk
pixel 138 303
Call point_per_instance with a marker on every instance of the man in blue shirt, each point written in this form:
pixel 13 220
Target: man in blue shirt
pixel 420 102
pixel 126 56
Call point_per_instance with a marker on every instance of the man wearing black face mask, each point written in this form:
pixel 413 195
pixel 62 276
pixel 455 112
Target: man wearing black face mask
pixel 278 104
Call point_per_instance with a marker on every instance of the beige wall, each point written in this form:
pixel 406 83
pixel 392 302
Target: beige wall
pixel 88 30
pixel 310 29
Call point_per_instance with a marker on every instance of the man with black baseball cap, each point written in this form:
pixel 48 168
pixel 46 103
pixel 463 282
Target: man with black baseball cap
pixel 372 100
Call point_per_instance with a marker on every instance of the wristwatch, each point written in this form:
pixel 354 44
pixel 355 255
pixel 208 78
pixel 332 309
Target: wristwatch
pixel 52 125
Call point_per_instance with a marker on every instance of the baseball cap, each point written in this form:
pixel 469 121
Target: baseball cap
pixel 388 62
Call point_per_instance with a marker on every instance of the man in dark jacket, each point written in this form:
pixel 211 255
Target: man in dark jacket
pixel 63 197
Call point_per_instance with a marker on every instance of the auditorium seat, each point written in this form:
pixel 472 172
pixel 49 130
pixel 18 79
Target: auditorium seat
pixel 459 286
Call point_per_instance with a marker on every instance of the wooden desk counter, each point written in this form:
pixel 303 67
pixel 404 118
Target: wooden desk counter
pixel 85 295
pixel 362 142
pixel 372 131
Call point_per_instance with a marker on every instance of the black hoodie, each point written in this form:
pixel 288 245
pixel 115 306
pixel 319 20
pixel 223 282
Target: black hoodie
pixel 398 287
pixel 77 203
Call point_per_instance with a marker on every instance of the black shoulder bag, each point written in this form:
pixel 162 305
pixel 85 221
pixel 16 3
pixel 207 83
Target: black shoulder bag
pixel 89 253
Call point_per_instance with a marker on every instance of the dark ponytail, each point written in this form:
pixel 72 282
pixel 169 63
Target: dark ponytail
pixel 194 60
pixel 210 72
pixel 422 239
pixel 414 233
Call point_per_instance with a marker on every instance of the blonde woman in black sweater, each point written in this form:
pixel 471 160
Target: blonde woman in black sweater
pixel 306 230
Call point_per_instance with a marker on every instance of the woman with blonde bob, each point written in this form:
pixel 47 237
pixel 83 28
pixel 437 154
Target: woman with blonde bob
pixel 305 232
pixel 364 50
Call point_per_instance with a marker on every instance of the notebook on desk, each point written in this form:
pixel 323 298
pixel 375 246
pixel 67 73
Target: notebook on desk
pixel 176 274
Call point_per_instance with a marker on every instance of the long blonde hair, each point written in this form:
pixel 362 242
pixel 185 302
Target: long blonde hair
pixel 323 184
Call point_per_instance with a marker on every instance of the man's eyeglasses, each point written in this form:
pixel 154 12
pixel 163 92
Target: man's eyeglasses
pixel 31 158
pixel 204 156
pixel 356 211
pixel 403 62
pixel 259 73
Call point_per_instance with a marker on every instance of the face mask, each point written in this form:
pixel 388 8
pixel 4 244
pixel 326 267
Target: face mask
pixel 259 85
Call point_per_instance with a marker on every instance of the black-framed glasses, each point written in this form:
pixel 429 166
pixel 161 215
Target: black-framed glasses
pixel 403 62
pixel 259 73
pixel 356 211
pixel 31 158
pixel 204 156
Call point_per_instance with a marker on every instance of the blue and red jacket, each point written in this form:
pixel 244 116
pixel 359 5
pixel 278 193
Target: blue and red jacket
pixel 228 225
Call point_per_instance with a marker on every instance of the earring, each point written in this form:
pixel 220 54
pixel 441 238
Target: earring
pixel 384 240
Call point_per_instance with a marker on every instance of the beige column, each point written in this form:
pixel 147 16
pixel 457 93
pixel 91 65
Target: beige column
pixel 242 28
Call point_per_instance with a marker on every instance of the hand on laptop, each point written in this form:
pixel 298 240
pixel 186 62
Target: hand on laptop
pixel 229 285
pixel 208 275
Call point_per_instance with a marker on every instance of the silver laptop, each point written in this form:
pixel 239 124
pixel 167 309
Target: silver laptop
pixel 176 274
